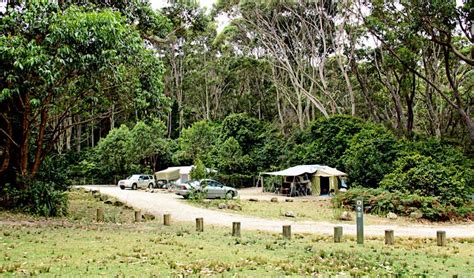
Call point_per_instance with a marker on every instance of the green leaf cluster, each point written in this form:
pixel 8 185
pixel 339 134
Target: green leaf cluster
pixel 125 151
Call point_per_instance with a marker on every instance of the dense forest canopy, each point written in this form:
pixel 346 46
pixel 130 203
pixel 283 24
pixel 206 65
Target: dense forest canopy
pixel 101 89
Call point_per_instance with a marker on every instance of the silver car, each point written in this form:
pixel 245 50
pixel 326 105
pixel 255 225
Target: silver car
pixel 137 181
pixel 212 188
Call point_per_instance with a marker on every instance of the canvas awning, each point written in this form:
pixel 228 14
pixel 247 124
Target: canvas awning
pixel 174 173
pixel 319 170
pixel 294 171
pixel 329 172
pixel 167 174
pixel 183 170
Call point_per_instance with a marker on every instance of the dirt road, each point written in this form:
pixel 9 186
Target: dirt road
pixel 161 203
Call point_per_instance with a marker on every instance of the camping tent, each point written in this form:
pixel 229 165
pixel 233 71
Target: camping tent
pixel 178 172
pixel 174 173
pixel 167 175
pixel 319 178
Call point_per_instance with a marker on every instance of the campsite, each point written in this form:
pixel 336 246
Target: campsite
pixel 215 138
pixel 304 180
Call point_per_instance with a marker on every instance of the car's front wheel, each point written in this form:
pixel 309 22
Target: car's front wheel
pixel 122 187
pixel 229 195
pixel 134 186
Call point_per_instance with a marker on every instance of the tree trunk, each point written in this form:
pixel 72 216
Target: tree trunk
pixel 280 114
pixel 8 142
pixel 68 132
pixel 78 134
pixel 459 105
pixel 112 116
pixel 24 146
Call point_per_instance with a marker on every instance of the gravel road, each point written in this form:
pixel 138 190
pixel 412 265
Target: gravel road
pixel 161 203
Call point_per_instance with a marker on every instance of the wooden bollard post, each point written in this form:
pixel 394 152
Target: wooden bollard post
pixel 199 224
pixel 138 216
pixel 287 231
pixel 338 234
pixel 441 238
pixel 236 229
pixel 100 215
pixel 167 219
pixel 389 237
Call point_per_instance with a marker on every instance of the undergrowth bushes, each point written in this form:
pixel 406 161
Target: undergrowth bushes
pixel 44 195
pixel 380 201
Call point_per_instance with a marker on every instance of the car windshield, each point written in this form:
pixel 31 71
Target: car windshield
pixel 193 183
pixel 134 177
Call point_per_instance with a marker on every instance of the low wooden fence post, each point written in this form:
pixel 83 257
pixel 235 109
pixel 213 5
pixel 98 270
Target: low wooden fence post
pixel 441 238
pixel 199 224
pixel 100 215
pixel 338 234
pixel 287 231
pixel 236 229
pixel 389 237
pixel 138 216
pixel 167 219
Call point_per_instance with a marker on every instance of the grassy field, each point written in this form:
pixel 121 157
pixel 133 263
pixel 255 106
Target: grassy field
pixel 315 210
pixel 76 245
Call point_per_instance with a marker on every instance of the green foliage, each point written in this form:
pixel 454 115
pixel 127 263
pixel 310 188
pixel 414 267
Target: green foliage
pixel 195 142
pixel 238 149
pixel 145 141
pixel 270 154
pixel 247 146
pixel 425 176
pixel 441 151
pixel 67 67
pixel 199 170
pixel 124 151
pixel 230 158
pixel 45 194
pixel 422 175
pixel 112 151
pixel 380 201
pixel 325 141
pixel 244 129
pixel 370 155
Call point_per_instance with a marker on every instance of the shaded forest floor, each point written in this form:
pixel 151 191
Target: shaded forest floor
pixel 77 245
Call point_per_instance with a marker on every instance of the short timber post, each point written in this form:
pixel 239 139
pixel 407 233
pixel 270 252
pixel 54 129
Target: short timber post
pixel 100 215
pixel 338 234
pixel 287 231
pixel 236 229
pixel 441 238
pixel 167 219
pixel 199 224
pixel 389 237
pixel 360 220
pixel 138 215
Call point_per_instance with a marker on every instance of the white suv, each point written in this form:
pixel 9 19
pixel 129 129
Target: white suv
pixel 137 181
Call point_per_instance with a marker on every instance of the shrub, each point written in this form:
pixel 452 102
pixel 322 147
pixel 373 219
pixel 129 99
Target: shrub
pixel 379 201
pixel 196 141
pixel 45 194
pixel 243 128
pixel 326 140
pixel 440 151
pixel 422 175
pixel 199 171
pixel 370 156
pixel 228 157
